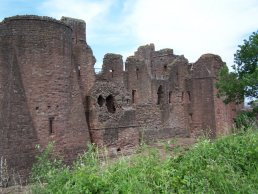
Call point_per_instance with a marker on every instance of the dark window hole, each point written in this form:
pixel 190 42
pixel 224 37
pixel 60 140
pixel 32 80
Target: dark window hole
pixel 101 100
pixel 51 119
pixel 133 96
pixel 110 103
pixel 137 73
pixel 160 94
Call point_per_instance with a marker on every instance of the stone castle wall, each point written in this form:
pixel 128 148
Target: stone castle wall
pixel 40 95
pixel 50 92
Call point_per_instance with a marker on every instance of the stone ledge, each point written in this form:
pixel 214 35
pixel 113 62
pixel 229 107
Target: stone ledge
pixel 34 17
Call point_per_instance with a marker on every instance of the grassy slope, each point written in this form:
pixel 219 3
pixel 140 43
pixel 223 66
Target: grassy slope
pixel 227 165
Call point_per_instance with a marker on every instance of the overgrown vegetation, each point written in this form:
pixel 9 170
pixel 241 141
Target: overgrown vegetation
pixel 227 165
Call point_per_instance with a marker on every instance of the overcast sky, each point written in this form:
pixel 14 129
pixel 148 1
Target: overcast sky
pixel 190 27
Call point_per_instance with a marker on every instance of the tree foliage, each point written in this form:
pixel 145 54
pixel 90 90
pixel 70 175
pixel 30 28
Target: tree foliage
pixel 243 81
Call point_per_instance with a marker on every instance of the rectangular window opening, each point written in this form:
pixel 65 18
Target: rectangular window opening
pixel 189 96
pixel 133 96
pixel 191 117
pixel 51 119
pixel 170 97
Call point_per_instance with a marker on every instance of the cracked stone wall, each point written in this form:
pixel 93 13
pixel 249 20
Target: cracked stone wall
pixel 40 96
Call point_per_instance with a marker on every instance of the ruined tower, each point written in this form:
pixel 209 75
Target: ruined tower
pixel 40 97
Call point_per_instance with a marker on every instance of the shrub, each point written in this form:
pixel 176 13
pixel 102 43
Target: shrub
pixel 227 165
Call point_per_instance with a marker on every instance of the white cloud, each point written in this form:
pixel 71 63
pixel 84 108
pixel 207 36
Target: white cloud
pixel 87 10
pixel 107 29
pixel 195 27
pixel 190 27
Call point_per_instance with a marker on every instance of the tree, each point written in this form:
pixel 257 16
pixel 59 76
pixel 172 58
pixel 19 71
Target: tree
pixel 243 81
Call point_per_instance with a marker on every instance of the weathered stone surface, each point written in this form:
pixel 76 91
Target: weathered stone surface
pixel 40 96
pixel 50 92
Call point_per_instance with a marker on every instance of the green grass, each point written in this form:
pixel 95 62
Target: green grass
pixel 226 165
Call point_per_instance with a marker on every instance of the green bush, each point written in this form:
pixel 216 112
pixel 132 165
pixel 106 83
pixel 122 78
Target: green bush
pixel 227 165
pixel 245 120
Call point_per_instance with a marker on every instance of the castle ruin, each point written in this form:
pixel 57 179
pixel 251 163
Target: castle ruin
pixel 49 92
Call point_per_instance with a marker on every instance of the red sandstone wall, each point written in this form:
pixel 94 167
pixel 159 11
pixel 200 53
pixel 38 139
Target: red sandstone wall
pixel 82 56
pixel 206 107
pixel 40 49
pixel 224 115
pixel 18 135
pixel 158 79
pixel 112 124
pixel 112 69
pixel 138 81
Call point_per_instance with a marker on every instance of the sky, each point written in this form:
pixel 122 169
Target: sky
pixel 190 27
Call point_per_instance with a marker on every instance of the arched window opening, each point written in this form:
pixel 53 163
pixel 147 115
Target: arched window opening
pixel 160 95
pixel 110 103
pixel 170 97
pixel 137 73
pixel 101 100
pixel 133 96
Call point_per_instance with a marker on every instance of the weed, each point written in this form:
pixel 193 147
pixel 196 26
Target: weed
pixel 226 165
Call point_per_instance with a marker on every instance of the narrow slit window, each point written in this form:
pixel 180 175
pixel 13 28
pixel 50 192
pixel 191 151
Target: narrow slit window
pixel 133 96
pixel 182 97
pixel 137 73
pixel 79 69
pixel 160 95
pixel 190 117
pixel 189 96
pixel 51 119
pixel 170 97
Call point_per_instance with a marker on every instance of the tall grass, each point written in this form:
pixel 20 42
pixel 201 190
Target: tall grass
pixel 227 165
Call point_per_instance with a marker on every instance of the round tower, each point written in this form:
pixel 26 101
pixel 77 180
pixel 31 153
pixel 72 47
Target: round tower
pixel 39 93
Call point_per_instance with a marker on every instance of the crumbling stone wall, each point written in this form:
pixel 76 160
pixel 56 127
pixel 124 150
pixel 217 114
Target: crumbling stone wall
pixel 112 119
pixel 210 116
pixel 83 59
pixel 50 92
pixel 40 95
pixel 156 88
